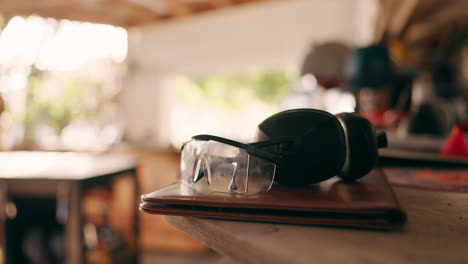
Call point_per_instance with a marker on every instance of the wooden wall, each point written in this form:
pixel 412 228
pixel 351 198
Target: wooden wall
pixel 156 170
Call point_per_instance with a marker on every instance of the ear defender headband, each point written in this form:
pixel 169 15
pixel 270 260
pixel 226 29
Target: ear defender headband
pixel 324 145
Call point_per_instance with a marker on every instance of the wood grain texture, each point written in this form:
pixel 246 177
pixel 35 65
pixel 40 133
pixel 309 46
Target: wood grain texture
pixel 155 170
pixel 436 232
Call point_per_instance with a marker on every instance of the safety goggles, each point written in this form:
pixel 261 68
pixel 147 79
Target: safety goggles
pixel 229 166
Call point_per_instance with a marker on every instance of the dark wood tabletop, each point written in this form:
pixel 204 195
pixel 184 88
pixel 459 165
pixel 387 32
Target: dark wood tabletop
pixel 61 165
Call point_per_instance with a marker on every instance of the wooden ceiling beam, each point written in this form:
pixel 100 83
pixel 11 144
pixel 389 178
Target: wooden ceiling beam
pixel 9 6
pixel 76 14
pixel 122 13
pixel 140 14
pixel 200 6
pixel 116 12
pixel 221 3
pixel 246 1
pixel 385 12
pixel 402 14
pixel 425 8
pixel 178 9
pixel 453 12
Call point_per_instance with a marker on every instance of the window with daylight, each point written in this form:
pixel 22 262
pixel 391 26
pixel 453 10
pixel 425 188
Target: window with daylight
pixel 59 80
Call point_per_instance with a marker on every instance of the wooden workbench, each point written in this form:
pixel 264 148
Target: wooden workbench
pixel 436 232
pixel 64 176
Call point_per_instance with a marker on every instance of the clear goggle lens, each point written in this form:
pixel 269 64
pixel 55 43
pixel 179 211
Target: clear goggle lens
pixel 226 168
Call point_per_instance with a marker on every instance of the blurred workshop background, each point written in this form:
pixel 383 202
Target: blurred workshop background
pixel 140 77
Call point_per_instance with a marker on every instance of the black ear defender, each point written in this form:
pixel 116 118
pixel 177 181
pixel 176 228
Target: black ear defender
pixel 321 145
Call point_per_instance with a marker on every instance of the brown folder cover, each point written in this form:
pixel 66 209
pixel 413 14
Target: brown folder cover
pixel 369 203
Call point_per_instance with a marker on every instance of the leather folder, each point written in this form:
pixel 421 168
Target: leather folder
pixel 369 203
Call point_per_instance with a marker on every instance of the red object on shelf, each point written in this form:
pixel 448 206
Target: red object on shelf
pixel 455 144
pixel 383 118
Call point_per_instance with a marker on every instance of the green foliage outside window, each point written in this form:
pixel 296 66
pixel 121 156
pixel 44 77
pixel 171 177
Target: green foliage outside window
pixel 231 92
pixel 57 111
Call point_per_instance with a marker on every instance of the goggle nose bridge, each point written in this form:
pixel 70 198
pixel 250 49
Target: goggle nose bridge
pixel 201 169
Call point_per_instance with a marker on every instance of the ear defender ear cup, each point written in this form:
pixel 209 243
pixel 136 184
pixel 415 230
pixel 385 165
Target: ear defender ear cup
pixel 361 146
pixel 321 145
pixel 319 150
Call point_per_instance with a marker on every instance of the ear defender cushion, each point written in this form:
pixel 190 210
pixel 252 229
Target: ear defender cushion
pixel 361 146
pixel 321 152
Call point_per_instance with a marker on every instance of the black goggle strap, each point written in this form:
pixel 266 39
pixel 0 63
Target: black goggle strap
pixel 282 146
pixel 252 149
